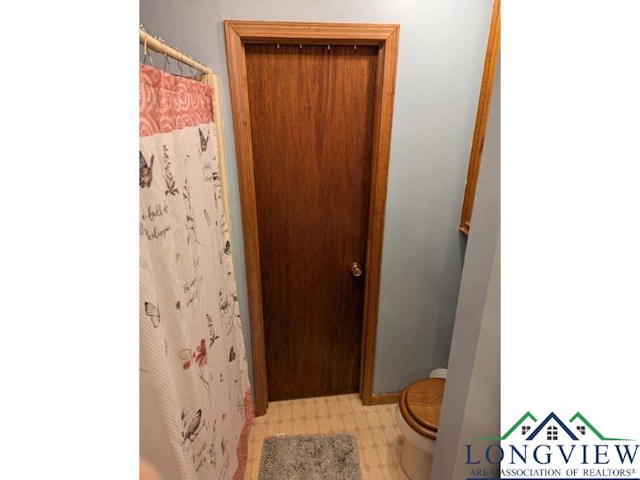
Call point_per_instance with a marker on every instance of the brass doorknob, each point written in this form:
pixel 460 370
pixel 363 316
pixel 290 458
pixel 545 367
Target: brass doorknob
pixel 356 269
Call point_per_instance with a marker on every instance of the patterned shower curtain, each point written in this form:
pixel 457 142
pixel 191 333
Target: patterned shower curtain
pixel 195 400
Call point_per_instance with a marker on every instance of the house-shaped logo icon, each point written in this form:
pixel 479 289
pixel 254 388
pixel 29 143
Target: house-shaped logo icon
pixel 552 427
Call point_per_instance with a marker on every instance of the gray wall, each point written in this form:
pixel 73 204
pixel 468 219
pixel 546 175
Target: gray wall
pixel 471 404
pixel 442 45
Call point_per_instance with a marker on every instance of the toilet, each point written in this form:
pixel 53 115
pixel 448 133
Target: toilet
pixel 418 416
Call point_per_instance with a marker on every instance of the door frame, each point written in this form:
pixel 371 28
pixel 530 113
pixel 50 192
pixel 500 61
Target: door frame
pixel 482 118
pixel 386 37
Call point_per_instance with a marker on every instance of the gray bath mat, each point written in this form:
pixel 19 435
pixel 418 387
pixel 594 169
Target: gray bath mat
pixel 310 457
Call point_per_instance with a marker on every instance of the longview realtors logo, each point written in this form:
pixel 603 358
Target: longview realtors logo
pixel 553 449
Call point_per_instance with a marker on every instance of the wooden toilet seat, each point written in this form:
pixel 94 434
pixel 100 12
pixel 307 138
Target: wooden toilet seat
pixel 420 404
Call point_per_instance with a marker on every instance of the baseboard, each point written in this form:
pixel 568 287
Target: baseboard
pixel 382 398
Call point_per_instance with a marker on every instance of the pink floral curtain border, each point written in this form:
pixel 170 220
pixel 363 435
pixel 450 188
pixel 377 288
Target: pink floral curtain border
pixel 170 103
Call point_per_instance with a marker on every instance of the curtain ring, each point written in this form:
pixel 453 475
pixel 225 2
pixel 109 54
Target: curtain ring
pixel 166 62
pixel 146 53
pixel 147 56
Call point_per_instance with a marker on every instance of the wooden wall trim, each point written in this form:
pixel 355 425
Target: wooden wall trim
pixel 383 116
pixel 244 156
pixel 383 398
pixel 386 37
pixel 482 116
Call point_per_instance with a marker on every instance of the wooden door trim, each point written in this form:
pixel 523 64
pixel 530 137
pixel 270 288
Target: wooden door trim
pixel 238 33
pixel 482 117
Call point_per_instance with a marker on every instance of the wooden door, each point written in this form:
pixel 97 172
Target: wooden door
pixel 312 110
pixel 241 35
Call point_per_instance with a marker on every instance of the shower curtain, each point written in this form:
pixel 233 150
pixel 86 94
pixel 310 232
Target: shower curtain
pixel 195 400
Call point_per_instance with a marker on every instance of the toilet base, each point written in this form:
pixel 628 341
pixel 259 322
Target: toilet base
pixel 415 463
pixel 416 453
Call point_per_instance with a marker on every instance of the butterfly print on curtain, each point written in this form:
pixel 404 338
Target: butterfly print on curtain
pixel 153 313
pixel 203 141
pixel 146 171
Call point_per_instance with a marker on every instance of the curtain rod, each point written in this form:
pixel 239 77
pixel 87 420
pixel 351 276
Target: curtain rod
pixel 149 41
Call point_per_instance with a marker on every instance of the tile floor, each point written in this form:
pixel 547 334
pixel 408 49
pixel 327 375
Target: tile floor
pixel 374 427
